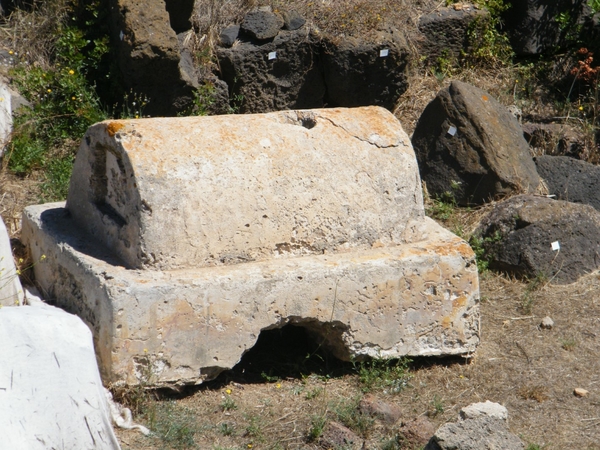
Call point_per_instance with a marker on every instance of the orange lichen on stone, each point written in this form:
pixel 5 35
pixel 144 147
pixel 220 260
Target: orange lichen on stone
pixel 113 128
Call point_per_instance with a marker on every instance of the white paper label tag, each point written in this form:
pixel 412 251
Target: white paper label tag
pixel 452 131
pixel 555 246
pixel 383 53
pixel 272 55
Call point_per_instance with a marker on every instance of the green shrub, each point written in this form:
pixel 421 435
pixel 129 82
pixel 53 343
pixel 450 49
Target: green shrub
pixel 62 106
pixel 175 425
pixel 379 374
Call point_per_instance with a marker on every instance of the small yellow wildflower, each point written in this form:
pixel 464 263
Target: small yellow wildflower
pixel 43 257
pixel 71 72
pixel 581 108
pixel 137 117
pixel 49 91
pixel 73 98
pixel 20 260
pixel 10 52
pixel 249 445
pixel 18 272
pixel 278 385
pixel 228 391
pixel 145 350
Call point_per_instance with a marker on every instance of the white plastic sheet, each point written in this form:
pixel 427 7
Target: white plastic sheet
pixel 51 395
pixel 11 292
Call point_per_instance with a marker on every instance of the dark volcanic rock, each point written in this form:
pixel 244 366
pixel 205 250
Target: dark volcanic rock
pixel 262 25
pixel 570 179
pixel 446 31
pixel 277 75
pixel 148 55
pixel 469 146
pixel 554 139
pixel 229 35
pixel 370 70
pixel 518 235
pixel 292 20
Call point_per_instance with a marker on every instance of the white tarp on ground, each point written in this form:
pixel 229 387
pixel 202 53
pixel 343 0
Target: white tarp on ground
pixel 11 292
pixel 51 395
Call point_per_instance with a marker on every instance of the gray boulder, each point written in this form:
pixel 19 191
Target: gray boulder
pixel 529 236
pixel 446 31
pixel 470 147
pixel 292 20
pixel 277 75
pixel 261 24
pixel 366 70
pixel 570 179
pixel 228 35
pixel 554 139
pixel 481 426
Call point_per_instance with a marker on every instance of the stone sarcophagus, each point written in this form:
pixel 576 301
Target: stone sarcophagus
pixel 182 238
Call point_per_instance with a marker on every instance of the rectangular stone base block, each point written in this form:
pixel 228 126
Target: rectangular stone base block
pixel 186 326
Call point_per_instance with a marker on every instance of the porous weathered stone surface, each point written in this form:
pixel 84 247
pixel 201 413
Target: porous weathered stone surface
pixel 385 411
pixel 416 433
pixel 263 183
pixel 555 139
pixel 300 69
pixel 282 74
pixel 487 408
pixel 337 435
pixel 148 55
pixel 313 218
pixel 229 35
pixel 482 433
pixel 481 426
pixel 471 148
pixel 518 235
pixel 261 24
pixel 292 20
pixel 446 31
pixel 366 70
pixel 570 179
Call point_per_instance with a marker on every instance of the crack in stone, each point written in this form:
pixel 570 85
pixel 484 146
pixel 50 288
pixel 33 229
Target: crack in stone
pixel 362 139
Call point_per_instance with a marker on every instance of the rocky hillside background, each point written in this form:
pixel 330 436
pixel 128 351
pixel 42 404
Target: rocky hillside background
pixel 75 63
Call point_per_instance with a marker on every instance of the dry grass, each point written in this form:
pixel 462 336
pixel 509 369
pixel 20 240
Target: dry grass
pixel 31 34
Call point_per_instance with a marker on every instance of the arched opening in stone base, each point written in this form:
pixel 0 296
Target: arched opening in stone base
pixel 295 350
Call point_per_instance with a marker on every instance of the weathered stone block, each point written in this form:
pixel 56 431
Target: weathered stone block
pixel 183 239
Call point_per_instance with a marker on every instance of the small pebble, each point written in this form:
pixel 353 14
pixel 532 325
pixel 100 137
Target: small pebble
pixel 580 392
pixel 547 323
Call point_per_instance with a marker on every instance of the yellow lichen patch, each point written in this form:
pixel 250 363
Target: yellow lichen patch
pixel 113 128
pixel 459 302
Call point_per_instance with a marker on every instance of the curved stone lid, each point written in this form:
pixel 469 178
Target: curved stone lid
pixel 171 193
